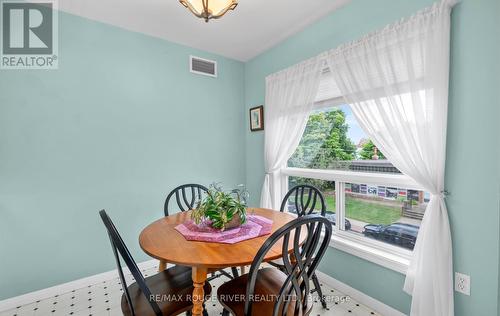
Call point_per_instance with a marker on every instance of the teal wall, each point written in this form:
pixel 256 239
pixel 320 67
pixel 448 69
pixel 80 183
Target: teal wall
pixel 473 148
pixel 119 124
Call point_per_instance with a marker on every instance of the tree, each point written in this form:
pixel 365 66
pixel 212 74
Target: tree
pixel 324 142
pixel 367 151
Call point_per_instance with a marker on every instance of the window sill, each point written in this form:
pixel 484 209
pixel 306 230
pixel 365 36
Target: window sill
pixel 390 258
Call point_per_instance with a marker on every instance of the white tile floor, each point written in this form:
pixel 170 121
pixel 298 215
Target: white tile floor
pixel 104 299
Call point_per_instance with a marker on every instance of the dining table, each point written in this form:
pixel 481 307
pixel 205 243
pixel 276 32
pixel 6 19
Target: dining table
pixel 162 241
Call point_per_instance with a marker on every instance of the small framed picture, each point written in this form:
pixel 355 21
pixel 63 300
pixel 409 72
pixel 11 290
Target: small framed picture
pixel 257 118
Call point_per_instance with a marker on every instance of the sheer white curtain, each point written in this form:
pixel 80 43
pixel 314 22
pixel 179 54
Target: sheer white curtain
pixel 290 96
pixel 396 82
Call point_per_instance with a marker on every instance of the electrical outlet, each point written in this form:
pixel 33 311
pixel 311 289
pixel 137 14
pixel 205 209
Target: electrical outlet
pixel 462 283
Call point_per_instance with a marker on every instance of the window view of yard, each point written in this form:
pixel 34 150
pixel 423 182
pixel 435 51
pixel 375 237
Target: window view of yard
pixel 334 140
pixel 366 211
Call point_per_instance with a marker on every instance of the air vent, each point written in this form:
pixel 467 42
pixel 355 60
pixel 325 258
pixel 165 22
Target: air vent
pixel 202 66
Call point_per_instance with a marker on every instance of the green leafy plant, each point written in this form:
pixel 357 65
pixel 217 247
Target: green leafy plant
pixel 223 209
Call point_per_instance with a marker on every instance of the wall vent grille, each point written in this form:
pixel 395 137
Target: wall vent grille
pixel 203 66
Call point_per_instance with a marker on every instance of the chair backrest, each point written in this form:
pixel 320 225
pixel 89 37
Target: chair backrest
pixel 186 196
pixel 299 271
pixel 306 199
pixel 120 249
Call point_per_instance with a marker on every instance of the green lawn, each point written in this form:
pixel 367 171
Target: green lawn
pixel 366 211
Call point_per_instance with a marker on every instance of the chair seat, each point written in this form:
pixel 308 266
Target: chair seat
pixel 267 286
pixel 172 288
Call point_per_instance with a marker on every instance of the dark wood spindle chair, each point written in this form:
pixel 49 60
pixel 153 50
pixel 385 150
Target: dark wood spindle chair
pixel 187 196
pixel 269 291
pixel 141 297
pixel 305 199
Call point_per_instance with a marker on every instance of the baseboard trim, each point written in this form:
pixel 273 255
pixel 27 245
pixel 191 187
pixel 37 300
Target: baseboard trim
pixel 27 298
pixel 359 296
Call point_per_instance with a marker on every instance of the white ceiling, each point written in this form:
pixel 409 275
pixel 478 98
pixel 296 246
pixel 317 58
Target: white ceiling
pixel 253 27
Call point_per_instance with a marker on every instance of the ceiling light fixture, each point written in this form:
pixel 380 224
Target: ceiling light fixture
pixel 209 9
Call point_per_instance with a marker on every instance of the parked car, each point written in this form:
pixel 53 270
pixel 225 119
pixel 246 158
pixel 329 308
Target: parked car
pixel 399 234
pixel 333 218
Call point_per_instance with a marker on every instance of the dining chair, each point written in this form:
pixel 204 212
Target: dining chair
pixel 152 295
pixel 187 196
pixel 269 291
pixel 305 199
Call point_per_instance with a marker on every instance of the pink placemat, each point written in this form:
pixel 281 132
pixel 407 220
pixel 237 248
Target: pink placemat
pixel 255 226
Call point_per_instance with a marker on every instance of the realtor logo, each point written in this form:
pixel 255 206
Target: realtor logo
pixel 29 35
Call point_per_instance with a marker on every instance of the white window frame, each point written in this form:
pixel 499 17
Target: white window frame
pixel 384 254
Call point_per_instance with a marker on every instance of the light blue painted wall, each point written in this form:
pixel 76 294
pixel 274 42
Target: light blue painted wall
pixel 119 124
pixel 473 147
pixel 104 131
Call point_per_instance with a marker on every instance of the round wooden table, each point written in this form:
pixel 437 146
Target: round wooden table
pixel 160 240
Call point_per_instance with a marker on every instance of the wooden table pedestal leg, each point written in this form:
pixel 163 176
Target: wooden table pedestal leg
pixel 199 277
pixel 162 266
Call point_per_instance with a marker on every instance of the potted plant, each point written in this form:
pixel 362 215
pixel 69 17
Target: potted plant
pixel 224 210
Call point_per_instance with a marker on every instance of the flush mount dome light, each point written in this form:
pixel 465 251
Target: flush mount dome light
pixel 209 9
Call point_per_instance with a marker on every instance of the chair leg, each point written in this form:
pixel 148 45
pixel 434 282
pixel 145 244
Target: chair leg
pixel 318 290
pixel 225 312
pixel 222 272
pixel 235 272
pixel 205 313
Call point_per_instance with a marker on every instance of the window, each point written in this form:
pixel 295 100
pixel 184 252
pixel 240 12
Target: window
pixel 375 208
